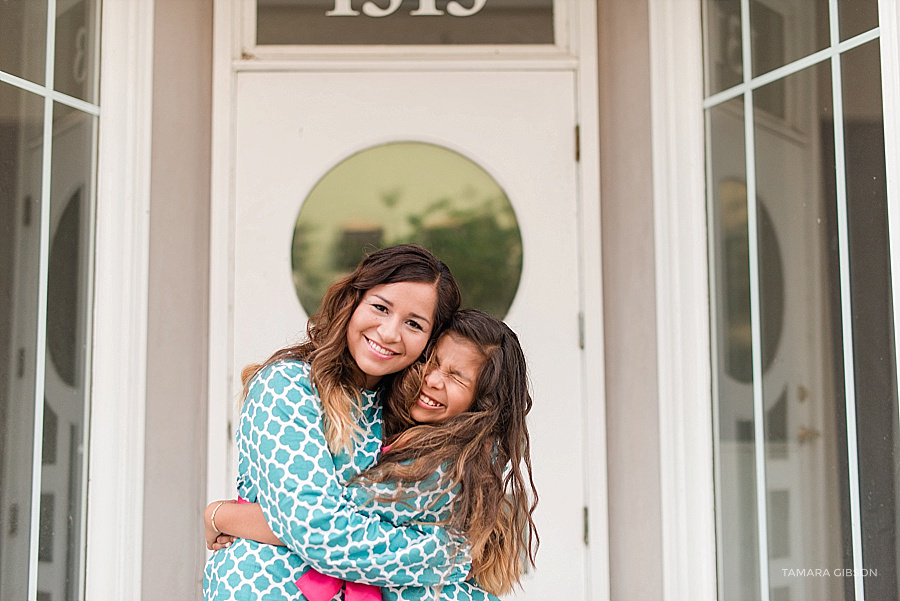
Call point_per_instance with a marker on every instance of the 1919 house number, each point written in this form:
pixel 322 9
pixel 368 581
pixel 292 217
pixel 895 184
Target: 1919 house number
pixel 427 8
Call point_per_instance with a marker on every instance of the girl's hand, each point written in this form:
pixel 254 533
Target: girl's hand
pixel 211 532
pixel 223 541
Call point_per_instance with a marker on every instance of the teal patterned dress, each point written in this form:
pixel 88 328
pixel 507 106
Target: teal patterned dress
pixel 285 465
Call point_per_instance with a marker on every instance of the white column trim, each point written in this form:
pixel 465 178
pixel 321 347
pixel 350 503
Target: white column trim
pixel 118 396
pixel 889 24
pixel 683 356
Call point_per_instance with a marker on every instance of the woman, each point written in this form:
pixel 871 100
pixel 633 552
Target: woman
pixel 311 421
pixel 460 439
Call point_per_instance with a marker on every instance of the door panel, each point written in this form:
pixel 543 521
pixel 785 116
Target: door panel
pixel 292 128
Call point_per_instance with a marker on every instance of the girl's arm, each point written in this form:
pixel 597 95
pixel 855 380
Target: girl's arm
pixel 307 507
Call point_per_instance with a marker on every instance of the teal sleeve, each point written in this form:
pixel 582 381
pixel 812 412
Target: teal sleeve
pixel 309 509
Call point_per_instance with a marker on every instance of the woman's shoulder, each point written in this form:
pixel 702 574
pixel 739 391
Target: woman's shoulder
pixel 281 376
pixel 284 368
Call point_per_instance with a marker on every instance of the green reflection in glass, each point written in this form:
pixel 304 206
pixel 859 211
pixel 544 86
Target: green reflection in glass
pixel 410 192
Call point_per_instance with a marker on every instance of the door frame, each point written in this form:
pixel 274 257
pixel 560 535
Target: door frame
pixel 581 58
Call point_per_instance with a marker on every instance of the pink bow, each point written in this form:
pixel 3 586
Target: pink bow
pixel 319 587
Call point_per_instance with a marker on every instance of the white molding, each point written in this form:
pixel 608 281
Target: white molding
pixel 378 62
pixel 889 25
pixel 683 355
pixel 584 43
pixel 116 486
pixel 220 403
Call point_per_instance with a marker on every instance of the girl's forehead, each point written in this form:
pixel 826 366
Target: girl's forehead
pixel 451 342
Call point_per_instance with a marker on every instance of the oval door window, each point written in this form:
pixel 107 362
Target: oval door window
pixel 410 192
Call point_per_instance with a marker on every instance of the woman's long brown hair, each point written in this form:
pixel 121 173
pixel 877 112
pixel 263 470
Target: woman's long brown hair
pixel 334 373
pixel 484 450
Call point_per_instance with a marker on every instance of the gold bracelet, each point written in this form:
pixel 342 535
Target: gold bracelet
pixel 212 517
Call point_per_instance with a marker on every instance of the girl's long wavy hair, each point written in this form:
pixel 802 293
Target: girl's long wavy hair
pixel 333 370
pixel 485 450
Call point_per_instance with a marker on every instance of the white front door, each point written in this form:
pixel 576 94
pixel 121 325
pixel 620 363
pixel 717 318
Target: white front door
pixel 293 127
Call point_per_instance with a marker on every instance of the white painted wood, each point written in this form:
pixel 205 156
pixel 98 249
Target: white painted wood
pixel 340 114
pixel 116 487
pixel 889 23
pixel 688 537
pixel 376 62
pixel 221 401
pixel 584 45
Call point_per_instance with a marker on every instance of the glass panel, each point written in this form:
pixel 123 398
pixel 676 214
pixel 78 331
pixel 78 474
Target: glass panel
pixel 873 320
pixel 62 481
pixel 857 16
pixel 783 32
pixel 23 43
pixel 410 192
pixel 76 42
pixel 21 146
pixel 723 53
pixel 736 514
pixel 397 22
pixel 799 287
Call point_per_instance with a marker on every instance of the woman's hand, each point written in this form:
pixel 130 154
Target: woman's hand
pixel 211 532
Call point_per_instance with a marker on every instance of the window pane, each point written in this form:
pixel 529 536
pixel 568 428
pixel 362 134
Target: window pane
pixel 873 320
pixel 21 145
pixel 722 45
pixel 735 448
pixel 784 32
pixel 23 43
pixel 410 192
pixel 393 22
pixel 803 383
pixel 857 16
pixel 76 37
pixel 62 482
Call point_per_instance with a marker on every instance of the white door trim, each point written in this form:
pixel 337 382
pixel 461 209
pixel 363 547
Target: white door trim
pixel 584 45
pixel 116 485
pixel 683 359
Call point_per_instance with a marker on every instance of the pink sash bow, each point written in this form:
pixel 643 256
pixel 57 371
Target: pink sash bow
pixel 319 587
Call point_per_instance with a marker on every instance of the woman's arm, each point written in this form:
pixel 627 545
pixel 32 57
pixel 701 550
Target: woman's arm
pixel 307 507
pixel 239 520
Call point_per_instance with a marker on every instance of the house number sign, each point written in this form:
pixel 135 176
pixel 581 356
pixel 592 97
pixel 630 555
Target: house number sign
pixel 426 8
pixel 403 22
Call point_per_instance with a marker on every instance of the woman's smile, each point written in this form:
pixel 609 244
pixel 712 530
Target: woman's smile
pixel 379 350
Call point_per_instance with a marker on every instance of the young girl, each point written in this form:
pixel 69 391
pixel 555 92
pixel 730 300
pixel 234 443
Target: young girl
pixel 312 421
pixel 457 442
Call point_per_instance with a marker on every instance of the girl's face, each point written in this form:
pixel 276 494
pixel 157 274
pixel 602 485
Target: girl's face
pixel 449 386
pixel 390 327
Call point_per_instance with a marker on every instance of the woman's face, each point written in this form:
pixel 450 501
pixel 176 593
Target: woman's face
pixel 390 327
pixel 449 386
